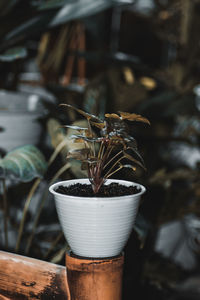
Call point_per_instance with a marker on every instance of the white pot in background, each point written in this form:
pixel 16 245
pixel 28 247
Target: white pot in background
pixel 96 227
pixel 18 118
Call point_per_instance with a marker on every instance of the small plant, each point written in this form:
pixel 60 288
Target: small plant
pixel 107 152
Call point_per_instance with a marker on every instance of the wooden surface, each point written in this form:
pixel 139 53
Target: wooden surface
pixel 23 277
pixel 27 278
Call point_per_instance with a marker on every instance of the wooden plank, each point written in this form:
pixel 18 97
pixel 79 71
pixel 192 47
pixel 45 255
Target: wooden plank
pixel 27 278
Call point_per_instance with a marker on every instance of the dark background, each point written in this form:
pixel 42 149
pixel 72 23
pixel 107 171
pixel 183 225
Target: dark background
pixel 140 56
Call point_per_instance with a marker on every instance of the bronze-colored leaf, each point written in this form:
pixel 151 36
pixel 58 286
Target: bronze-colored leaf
pixel 120 136
pixel 129 157
pixel 88 133
pixel 80 154
pixel 135 151
pixel 112 116
pixel 115 140
pixel 98 125
pixel 77 138
pixel 83 113
pixel 133 117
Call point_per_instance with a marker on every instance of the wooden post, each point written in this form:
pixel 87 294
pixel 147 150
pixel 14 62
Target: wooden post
pixel 94 279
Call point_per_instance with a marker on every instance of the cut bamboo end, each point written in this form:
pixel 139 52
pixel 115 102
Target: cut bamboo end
pixel 94 279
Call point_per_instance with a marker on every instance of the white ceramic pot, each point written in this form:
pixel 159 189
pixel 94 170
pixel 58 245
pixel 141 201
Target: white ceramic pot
pixel 96 227
pixel 18 118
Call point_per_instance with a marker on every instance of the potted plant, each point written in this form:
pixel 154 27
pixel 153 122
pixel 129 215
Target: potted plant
pixel 97 213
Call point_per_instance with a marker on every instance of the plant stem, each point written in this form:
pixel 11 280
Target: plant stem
pixel 109 152
pixel 101 150
pixel 53 245
pixel 116 155
pixel 5 206
pixel 56 152
pixel 31 193
pixel 59 255
pixel 108 174
pixel 93 143
pixel 45 194
pixel 115 171
pixel 26 206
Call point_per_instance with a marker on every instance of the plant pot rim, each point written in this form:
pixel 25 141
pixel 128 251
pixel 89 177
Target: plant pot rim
pixel 86 181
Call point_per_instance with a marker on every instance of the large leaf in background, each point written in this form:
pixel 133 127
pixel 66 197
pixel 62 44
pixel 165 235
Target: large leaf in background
pixel 169 104
pixel 83 8
pixel 51 4
pixel 13 54
pixel 32 26
pixel 24 164
pixel 6 6
pixel 55 12
pixel 35 25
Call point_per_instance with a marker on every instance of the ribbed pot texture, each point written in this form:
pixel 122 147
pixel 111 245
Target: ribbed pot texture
pixel 96 227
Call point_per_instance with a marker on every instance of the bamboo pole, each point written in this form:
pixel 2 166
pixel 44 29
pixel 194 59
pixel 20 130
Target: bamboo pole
pixel 94 279
pixel 23 277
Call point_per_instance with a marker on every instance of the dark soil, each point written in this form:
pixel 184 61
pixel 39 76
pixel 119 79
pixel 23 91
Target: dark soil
pixel 85 190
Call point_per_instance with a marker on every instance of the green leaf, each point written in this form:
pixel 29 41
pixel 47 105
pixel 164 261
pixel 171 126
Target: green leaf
pixel 24 164
pixel 34 25
pixel 52 4
pixel 13 54
pixel 83 8
pixel 55 12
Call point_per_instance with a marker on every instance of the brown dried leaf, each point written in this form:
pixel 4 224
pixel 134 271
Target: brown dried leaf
pixel 112 116
pixel 98 125
pixel 77 138
pixel 83 113
pixel 133 117
pixel 80 154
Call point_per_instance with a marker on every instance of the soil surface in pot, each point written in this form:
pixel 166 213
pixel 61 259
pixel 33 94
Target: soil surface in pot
pixel 110 190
